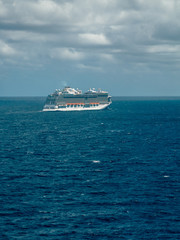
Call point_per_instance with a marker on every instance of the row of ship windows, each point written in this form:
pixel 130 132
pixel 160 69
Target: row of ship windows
pixel 75 105
pixel 89 105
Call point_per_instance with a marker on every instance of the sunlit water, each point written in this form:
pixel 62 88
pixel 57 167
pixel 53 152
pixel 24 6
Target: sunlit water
pixel 110 174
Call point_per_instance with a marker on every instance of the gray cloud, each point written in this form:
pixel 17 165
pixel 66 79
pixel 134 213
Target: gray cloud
pixel 168 32
pixel 37 28
pixel 131 32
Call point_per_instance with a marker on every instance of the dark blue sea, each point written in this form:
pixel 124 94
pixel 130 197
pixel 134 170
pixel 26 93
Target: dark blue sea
pixel 109 174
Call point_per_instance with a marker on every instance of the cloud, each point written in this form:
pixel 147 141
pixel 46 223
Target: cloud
pixel 6 50
pixel 108 57
pixel 3 11
pixel 129 32
pixel 34 12
pixel 67 54
pixel 89 67
pixel 168 31
pixel 90 38
pixel 164 49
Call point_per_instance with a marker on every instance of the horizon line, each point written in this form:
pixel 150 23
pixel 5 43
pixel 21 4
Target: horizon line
pixel 134 96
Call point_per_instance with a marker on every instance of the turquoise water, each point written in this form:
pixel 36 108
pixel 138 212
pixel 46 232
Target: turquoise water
pixel 110 174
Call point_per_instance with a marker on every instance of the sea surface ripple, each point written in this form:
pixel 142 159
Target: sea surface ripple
pixel 110 174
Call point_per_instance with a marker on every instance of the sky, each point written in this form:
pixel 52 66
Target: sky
pixel 126 47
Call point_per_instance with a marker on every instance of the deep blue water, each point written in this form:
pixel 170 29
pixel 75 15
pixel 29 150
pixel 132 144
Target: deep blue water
pixel 110 174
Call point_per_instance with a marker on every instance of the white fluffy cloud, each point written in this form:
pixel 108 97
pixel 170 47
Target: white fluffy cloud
pixel 6 50
pixel 95 39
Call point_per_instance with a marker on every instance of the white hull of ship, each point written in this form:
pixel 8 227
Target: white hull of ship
pixel 54 108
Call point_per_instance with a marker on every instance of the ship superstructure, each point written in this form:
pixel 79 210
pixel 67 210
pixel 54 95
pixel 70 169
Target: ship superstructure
pixel 70 99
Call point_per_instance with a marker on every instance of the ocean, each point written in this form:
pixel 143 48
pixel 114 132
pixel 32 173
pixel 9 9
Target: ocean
pixel 109 174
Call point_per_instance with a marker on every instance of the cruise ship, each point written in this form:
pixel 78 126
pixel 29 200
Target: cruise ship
pixel 70 99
